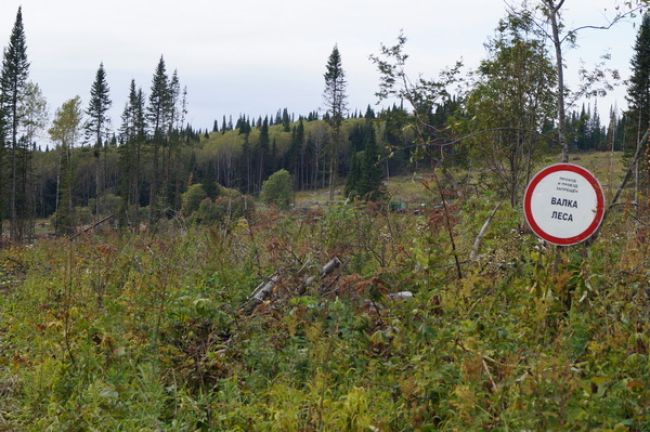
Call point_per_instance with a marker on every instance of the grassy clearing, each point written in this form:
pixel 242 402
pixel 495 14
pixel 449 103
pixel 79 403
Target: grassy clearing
pixel 148 333
pixel 607 167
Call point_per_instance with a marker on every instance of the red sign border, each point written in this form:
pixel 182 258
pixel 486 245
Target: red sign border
pixel 600 209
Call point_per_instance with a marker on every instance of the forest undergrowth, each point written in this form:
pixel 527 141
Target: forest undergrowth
pixel 139 332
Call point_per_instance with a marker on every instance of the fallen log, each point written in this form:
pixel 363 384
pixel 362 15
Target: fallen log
pixel 328 268
pixel 93 226
pixel 265 288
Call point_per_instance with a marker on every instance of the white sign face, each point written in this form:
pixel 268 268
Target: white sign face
pixel 564 204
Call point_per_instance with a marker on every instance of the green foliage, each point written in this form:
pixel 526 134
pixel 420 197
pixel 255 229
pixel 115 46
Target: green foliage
pixel 83 215
pixel 64 132
pixel 278 189
pixel 98 106
pixel 122 333
pixel 639 83
pixel 510 105
pixel 229 205
pixel 231 208
pixel 365 175
pixel 192 198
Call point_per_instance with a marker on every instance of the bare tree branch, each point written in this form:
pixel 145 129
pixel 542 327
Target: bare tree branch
pixel 473 256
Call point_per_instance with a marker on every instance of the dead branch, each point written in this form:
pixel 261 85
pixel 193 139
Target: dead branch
pixel 265 288
pixel 93 226
pixel 637 155
pixel 473 256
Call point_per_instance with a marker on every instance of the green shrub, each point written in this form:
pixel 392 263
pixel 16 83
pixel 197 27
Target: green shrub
pixel 83 215
pixel 278 189
pixel 223 191
pixel 108 204
pixel 228 208
pixel 206 213
pixel 192 198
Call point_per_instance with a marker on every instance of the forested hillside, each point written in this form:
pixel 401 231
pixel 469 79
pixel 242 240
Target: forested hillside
pixel 139 169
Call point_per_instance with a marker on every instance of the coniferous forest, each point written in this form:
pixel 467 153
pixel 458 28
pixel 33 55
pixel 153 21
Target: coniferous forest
pixel 345 269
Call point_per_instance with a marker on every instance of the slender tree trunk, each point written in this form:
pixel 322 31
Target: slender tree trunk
pixel 105 167
pixel 333 161
pixel 138 147
pixel 553 12
pixel 153 195
pixel 636 168
pixel 2 186
pixel 14 145
pixel 98 176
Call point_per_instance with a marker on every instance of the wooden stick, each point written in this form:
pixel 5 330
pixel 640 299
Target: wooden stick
pixel 637 155
pixel 265 288
pixel 473 256
pixel 93 226
pixel 641 145
pixel 450 230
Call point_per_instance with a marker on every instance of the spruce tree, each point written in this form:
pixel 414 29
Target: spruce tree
pixel 354 176
pixel 132 137
pixel 286 121
pixel 263 153
pixel 274 156
pixel 294 152
pixel 300 138
pixel 334 96
pixel 96 128
pixel 638 92
pixel 156 115
pixel 126 157
pixel 364 178
pixel 170 186
pixel 371 172
pixel 13 82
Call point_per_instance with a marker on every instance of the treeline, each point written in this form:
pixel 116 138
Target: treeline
pixel 139 171
pixel 142 174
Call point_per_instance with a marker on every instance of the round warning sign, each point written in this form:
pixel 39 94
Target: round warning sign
pixel 564 204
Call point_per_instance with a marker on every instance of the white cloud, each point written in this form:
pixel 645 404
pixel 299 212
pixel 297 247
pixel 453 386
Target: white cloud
pixel 256 56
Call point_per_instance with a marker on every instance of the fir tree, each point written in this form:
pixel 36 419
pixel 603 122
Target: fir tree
pixel 370 114
pixel 354 176
pixel 364 178
pixel 294 152
pixel 156 111
pixel 334 96
pixel 132 136
pixel 13 82
pixel 274 156
pixel 638 92
pixel 263 153
pixel 96 128
pixel 371 174
pixel 286 122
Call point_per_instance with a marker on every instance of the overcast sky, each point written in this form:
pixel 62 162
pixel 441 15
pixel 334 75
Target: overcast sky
pixel 253 56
